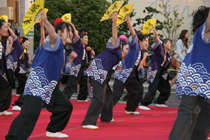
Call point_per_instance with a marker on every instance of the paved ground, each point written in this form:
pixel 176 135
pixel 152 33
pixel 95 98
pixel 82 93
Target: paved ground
pixel 172 101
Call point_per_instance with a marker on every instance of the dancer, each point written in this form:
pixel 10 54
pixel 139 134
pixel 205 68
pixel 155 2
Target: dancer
pixel 5 84
pixel 78 66
pixel 98 72
pixel 42 86
pixel 127 76
pixel 192 122
pixel 157 75
pixel 89 55
pixel 181 49
pixel 21 73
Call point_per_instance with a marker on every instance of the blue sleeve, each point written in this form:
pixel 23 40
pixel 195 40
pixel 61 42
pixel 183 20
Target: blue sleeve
pixel 46 44
pixel 77 43
pixel 109 44
pixel 132 43
pixel 155 45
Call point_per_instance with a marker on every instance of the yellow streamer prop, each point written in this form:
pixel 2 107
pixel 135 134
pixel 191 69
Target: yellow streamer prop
pixel 124 11
pixel 115 7
pixel 149 25
pixel 33 15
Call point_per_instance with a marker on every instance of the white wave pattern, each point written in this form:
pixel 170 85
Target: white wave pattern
pixel 95 71
pixel 151 75
pixel 193 80
pixel 22 71
pixel 74 70
pixel 10 64
pixel 38 85
pixel 122 74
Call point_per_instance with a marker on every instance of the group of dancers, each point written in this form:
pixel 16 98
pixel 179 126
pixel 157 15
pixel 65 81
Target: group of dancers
pixel 124 58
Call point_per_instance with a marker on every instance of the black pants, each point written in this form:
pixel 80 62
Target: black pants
pixel 5 94
pixel 24 123
pixel 160 84
pixel 21 83
pixel 193 120
pixel 97 102
pixel 70 86
pixel 135 90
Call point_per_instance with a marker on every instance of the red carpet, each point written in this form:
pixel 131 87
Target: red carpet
pixel 149 125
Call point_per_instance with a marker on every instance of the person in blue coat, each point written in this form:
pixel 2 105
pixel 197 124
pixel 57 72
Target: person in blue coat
pixel 42 86
pixel 99 75
pixel 192 122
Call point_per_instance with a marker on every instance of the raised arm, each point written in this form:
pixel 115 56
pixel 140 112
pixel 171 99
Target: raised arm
pixel 156 35
pixel 11 32
pixel 114 29
pixel 42 33
pixel 207 30
pixel 128 20
pixel 9 48
pixel 49 28
pixel 75 30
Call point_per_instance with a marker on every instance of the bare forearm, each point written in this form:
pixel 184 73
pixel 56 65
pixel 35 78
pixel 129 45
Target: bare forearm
pixel 141 64
pixel 114 33
pixel 50 29
pixel 42 35
pixel 11 32
pixel 9 48
pixel 131 29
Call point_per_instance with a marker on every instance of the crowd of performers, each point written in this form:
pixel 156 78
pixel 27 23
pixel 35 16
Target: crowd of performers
pixel 65 50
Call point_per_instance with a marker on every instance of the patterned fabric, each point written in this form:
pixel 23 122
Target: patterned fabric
pixel 157 61
pixel 76 64
pixel 130 60
pixel 122 74
pixel 74 70
pixel 104 62
pixel 38 85
pixel 14 56
pixel 96 71
pixel 193 80
pixel 67 67
pixel 46 70
pixel 151 74
pixel 194 76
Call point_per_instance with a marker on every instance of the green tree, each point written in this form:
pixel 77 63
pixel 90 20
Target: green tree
pixel 85 13
pixel 168 27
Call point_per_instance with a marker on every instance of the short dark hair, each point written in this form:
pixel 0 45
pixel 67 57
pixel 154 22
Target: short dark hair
pixel 82 35
pixel 85 29
pixel 141 36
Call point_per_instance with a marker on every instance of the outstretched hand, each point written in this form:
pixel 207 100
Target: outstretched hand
pixel 114 16
pixel 43 16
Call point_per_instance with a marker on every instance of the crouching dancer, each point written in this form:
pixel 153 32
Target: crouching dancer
pixel 42 86
pixel 98 72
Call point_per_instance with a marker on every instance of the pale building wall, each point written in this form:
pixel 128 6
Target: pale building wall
pixel 183 7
